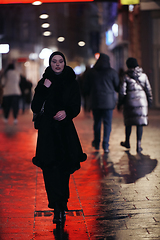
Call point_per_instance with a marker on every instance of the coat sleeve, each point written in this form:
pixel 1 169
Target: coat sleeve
pixel 39 97
pixel 87 82
pixel 148 91
pixel 122 93
pixel 116 81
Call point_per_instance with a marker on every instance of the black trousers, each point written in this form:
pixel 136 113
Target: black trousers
pixel 139 132
pixel 57 188
pixel 11 102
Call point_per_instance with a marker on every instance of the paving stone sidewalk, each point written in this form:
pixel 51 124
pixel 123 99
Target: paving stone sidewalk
pixel 113 197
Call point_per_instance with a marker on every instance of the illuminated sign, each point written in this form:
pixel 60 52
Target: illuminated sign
pixel 129 2
pixel 43 1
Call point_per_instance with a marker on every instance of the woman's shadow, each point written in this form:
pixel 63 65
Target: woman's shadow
pixel 131 167
pixel 138 165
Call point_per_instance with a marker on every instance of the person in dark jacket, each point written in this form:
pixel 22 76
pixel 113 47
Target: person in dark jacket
pixel 135 95
pixel 58 151
pixel 102 84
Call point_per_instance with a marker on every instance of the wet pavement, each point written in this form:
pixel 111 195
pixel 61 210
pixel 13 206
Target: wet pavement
pixel 112 197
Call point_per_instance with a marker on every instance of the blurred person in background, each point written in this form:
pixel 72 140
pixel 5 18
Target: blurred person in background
pixel 101 85
pixel 58 151
pixel 11 92
pixel 1 87
pixel 26 92
pixel 121 73
pixel 81 80
pixel 135 95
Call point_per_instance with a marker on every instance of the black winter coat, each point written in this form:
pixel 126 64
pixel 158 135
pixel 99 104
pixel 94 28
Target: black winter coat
pixel 58 143
pixel 102 84
pixel 135 95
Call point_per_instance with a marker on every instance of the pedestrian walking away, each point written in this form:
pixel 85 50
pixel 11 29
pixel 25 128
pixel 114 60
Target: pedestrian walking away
pixel 101 85
pixel 135 95
pixel 58 151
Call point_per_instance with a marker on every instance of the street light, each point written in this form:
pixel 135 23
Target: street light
pixel 45 25
pixel 44 16
pixel 36 3
pixel 81 43
pixel 60 39
pixel 47 33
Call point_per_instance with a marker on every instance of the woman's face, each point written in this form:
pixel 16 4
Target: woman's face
pixel 57 63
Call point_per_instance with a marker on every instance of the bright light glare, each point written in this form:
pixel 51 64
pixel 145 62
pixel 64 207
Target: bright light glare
pixel 80 69
pixel 115 29
pixel 4 48
pixel 27 64
pixel 109 37
pixel 45 53
pixel 81 43
pixel 97 55
pixel 77 70
pixel 36 3
pixel 33 56
pixel 45 25
pixel 44 16
pixel 61 39
pixel 131 8
pixel 47 33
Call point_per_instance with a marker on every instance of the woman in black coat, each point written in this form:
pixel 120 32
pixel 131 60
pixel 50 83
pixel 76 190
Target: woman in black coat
pixel 58 151
pixel 135 95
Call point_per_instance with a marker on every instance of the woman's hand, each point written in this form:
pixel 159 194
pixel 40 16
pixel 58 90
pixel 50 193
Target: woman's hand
pixel 47 83
pixel 60 115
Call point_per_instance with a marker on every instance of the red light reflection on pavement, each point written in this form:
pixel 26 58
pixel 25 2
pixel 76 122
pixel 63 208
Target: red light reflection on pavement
pixel 89 190
pixel 17 183
pixel 110 197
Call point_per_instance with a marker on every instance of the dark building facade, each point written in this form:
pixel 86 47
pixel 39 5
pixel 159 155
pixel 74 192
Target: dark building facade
pixel 21 28
pixel 138 36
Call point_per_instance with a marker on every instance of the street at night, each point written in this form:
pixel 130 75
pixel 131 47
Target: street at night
pixel 114 196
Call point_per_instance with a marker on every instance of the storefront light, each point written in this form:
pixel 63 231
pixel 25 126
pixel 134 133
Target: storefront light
pixel 115 29
pixel 33 56
pixel 45 54
pixel 4 48
pixel 131 8
pixel 109 37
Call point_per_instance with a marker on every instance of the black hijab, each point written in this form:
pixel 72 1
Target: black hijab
pixel 57 53
pixel 66 75
pixel 60 83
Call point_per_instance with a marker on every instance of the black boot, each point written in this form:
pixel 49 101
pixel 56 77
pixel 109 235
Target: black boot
pixel 59 216
pixel 139 149
pixel 56 216
pixel 125 144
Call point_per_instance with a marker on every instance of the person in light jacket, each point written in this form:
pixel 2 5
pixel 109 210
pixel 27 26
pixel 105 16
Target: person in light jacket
pixel 11 92
pixel 58 151
pixel 102 83
pixel 135 95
